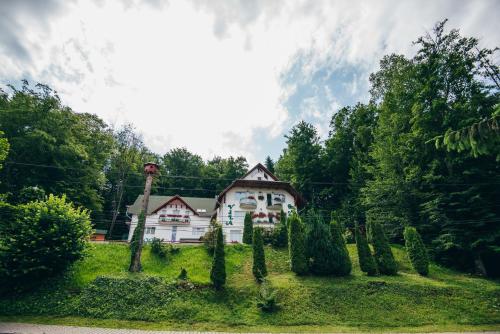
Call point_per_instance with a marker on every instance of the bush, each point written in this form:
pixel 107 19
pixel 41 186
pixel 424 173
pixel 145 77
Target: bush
pixel 341 258
pixel 280 232
pixel 46 239
pixel 209 238
pixel 183 275
pixel 416 251
pixel 382 250
pixel 158 248
pixel 296 244
pixel 218 271
pixel 319 246
pixel 366 260
pixel 134 241
pixel 267 301
pixel 248 229
pixel 259 260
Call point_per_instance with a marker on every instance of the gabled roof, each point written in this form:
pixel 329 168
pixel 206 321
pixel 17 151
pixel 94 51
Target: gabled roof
pixel 157 202
pixel 260 166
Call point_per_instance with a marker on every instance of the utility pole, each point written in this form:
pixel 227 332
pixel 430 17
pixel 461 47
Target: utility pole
pixel 150 169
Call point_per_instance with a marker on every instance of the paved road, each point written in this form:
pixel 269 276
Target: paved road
pixel 19 328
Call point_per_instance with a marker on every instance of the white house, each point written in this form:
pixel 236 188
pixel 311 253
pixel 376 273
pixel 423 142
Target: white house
pixel 258 192
pixel 177 219
pixel 173 218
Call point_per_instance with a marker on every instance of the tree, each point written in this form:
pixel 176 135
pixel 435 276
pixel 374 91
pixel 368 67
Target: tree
pixel 4 148
pixel 46 238
pixel 218 271
pixel 259 269
pixel 382 250
pixel 269 164
pixel 416 251
pixel 280 232
pixel 300 162
pixel 248 229
pixel 319 246
pixel 296 244
pixel 366 260
pixel 341 258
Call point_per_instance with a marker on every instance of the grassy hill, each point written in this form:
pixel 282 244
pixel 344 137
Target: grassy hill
pixel 445 300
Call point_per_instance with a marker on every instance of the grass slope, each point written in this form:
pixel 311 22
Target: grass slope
pixel 443 301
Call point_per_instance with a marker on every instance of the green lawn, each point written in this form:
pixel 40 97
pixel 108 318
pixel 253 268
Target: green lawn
pixel 444 301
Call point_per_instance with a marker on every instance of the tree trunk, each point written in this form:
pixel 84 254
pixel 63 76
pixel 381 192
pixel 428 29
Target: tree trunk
pixel 116 209
pixel 135 265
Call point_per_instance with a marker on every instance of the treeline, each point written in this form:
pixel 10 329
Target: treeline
pixel 47 148
pixel 424 152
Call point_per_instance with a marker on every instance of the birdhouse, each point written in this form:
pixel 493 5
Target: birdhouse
pixel 150 168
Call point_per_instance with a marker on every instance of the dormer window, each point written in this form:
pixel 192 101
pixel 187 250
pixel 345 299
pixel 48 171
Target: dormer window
pixel 265 176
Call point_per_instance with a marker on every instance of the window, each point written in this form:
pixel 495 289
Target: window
pixel 176 212
pixel 265 176
pixel 269 200
pixel 188 212
pixel 259 178
pixel 150 230
pixel 198 231
pixel 270 219
pixel 239 216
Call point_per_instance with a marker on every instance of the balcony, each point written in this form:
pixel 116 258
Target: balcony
pixel 277 203
pixel 249 203
pixel 174 219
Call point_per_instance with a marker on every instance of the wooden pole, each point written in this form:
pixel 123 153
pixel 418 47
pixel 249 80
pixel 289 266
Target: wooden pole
pixel 135 265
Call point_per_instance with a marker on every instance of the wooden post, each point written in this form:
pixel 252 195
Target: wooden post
pixel 150 169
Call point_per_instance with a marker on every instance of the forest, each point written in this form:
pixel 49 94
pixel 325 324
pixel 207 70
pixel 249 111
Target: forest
pixel 422 152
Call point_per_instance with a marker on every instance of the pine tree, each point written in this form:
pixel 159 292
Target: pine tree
pixel 416 251
pixel 218 272
pixel 382 250
pixel 366 260
pixel 259 260
pixel 319 246
pixel 296 244
pixel 343 264
pixel 248 229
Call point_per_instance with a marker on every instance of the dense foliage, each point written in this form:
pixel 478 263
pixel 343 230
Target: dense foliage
pixel 218 271
pixel 367 263
pixel 41 239
pixel 248 229
pixel 259 268
pixel 416 251
pixel 297 244
pixel 384 258
pixel 342 262
pixel 280 232
pixel 319 245
pixel 380 161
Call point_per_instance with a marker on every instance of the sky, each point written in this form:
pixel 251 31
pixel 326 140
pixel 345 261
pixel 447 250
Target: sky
pixel 219 77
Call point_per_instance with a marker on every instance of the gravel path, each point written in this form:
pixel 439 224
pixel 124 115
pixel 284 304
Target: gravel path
pixel 21 328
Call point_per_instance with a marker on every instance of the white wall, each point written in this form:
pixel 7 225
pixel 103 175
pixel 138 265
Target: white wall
pixel 234 231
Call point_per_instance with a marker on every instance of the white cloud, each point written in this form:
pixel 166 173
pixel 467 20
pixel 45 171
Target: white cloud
pixel 206 74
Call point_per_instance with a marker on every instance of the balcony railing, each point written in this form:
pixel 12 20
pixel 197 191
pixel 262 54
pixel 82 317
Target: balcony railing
pixel 248 203
pixel 174 219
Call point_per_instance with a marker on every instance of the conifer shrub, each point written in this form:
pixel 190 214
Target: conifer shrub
pixel 280 232
pixel 296 244
pixel 382 250
pixel 259 260
pixel 218 271
pixel 248 229
pixel 343 265
pixel 183 275
pixel 366 260
pixel 267 301
pixel 319 245
pixel 209 238
pixel 416 251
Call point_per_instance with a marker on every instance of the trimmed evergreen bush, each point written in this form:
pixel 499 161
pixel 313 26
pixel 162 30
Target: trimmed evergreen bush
pixel 268 301
pixel 342 261
pixel 280 232
pixel 319 246
pixel 210 237
pixel 366 260
pixel 248 229
pixel 218 271
pixel 296 244
pixel 259 259
pixel 382 250
pixel 416 251
pixel 158 248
